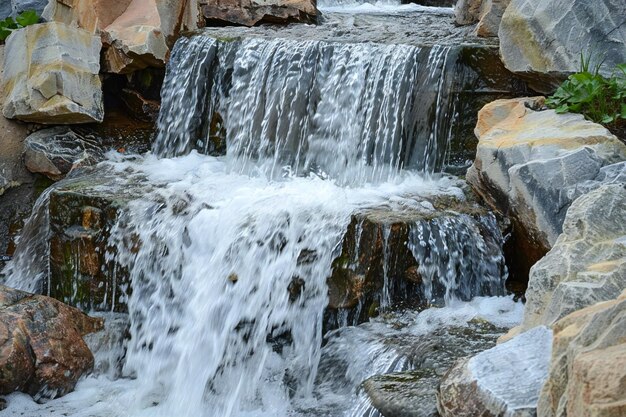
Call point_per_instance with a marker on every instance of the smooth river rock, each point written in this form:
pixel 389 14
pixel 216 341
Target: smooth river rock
pixel 588 366
pixel 532 163
pixel 586 265
pixel 254 12
pixel 42 351
pixel 502 381
pixel 547 37
pixel 52 76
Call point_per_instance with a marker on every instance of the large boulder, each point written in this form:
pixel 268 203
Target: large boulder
pixel 532 163
pixel 42 351
pixel 548 37
pixel 136 33
pixel 52 76
pixel 588 262
pixel 490 17
pixel 502 381
pixel 254 12
pixel 588 366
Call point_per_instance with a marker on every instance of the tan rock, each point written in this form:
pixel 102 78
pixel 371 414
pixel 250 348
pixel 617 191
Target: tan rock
pixel 136 33
pixel 254 12
pixel 52 76
pixel 490 17
pixel 588 365
pixel 41 347
pixel 467 12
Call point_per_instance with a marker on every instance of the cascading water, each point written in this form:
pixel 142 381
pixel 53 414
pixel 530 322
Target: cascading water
pixel 228 255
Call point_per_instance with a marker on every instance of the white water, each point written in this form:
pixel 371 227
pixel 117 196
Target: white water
pixel 351 355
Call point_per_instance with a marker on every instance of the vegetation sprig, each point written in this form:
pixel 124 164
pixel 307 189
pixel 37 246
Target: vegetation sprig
pixel 8 25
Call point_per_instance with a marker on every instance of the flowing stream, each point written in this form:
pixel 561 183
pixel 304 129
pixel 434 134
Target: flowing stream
pixel 265 150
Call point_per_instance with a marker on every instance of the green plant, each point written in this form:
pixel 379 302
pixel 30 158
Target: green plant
pixel 599 99
pixel 8 25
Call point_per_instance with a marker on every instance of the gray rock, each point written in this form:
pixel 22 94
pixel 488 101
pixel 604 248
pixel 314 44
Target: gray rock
pixel 6 9
pixel 467 12
pixel 531 165
pixel 538 36
pixel 587 263
pixel 491 16
pixel 502 381
pixel 56 151
pixel 19 6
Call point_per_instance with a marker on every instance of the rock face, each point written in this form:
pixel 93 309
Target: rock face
pixel 532 164
pixel 136 33
pixel 41 347
pixel 56 151
pixel 467 12
pixel 254 12
pixel 52 77
pixel 548 36
pixel 588 262
pixel 502 381
pixel 588 366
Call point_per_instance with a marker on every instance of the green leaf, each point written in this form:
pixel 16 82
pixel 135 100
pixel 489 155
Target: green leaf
pixel 4 33
pixel 8 23
pixel 623 115
pixel 27 18
pixel 607 118
pixel 562 109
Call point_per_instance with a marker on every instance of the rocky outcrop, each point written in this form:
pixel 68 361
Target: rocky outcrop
pixel 502 381
pixel 136 33
pixel 254 12
pixel 586 265
pixel 56 151
pixel 531 164
pixel 467 12
pixel 588 366
pixel 546 38
pixel 52 77
pixel 41 347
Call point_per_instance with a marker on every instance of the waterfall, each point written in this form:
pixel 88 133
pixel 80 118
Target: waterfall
pixel 264 151
pixel 352 112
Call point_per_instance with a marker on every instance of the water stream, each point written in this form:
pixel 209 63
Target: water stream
pixel 265 149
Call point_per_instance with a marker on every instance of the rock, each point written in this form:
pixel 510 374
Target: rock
pixel 467 12
pixel 502 381
pixel 41 347
pixel 140 107
pixel 393 256
pixel 531 164
pixel 546 38
pixel 56 151
pixel 588 262
pixel 6 10
pixel 53 78
pixel 588 366
pixel 18 6
pixel 490 17
pixel 255 12
pixel 136 33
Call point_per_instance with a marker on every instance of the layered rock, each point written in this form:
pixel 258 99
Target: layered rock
pixel 546 38
pixel 56 151
pixel 502 381
pixel 588 366
pixel 52 77
pixel 532 163
pixel 42 351
pixel 254 12
pixel 588 262
pixel 136 33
